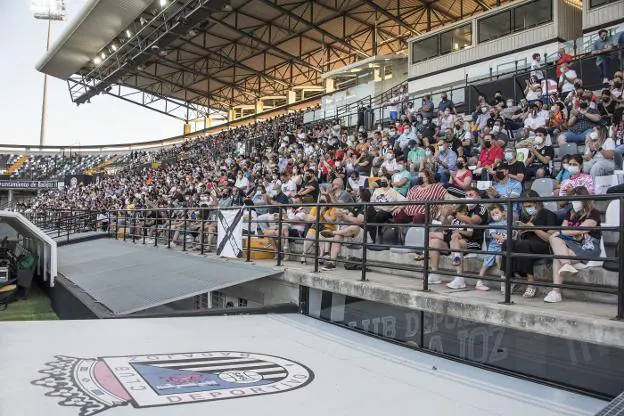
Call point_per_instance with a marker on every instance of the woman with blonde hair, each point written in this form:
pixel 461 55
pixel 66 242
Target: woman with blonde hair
pixel 577 243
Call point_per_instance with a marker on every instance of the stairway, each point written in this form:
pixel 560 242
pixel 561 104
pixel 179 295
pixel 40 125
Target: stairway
pixel 18 164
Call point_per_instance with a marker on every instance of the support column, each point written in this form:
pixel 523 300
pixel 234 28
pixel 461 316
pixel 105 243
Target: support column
pixel 259 106
pixel 207 122
pixel 329 85
pixel 10 195
pixel 378 74
pixel 187 128
pixel 291 97
pixel 231 114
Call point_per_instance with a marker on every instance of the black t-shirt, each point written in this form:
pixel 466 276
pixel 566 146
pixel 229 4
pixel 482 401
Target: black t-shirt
pixel 517 168
pixel 482 212
pixel 546 151
pixel 314 183
pixel 575 221
pixel 543 218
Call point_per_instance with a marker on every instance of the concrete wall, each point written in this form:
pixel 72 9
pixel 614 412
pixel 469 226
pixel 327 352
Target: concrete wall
pixel 263 292
pixel 601 16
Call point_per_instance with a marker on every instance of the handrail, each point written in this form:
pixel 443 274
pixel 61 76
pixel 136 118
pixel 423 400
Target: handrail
pixel 130 222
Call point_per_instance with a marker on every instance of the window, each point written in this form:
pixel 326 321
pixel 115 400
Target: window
pixel 456 39
pixel 218 300
pixel 494 26
pixel 598 3
pixel 532 14
pixel 519 18
pixel 242 303
pixel 201 301
pixel 425 49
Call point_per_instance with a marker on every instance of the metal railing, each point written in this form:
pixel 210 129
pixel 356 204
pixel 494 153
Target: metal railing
pixel 61 224
pixel 161 226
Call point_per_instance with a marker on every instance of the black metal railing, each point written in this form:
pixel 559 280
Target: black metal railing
pixel 61 224
pixel 165 226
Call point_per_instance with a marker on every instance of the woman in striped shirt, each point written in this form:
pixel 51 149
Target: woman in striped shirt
pixel 427 190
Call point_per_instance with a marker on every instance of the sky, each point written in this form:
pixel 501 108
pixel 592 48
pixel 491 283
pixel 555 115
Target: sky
pixel 106 120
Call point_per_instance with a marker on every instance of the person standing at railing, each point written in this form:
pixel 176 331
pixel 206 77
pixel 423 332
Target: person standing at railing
pixel 562 58
pixel 578 243
pixel 444 104
pixel 603 44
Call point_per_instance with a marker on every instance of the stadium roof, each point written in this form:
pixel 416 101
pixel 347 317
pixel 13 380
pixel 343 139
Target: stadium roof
pixel 188 56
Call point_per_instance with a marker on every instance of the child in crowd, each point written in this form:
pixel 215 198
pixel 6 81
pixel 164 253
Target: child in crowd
pixel 497 236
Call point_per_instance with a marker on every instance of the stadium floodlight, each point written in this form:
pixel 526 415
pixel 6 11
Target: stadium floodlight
pixel 163 3
pixel 103 55
pixel 97 60
pixel 114 47
pixel 128 33
pixel 48 9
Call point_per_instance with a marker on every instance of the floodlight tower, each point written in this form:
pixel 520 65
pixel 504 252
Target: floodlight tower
pixel 47 10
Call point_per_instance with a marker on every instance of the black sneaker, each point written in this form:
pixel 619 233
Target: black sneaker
pixel 329 267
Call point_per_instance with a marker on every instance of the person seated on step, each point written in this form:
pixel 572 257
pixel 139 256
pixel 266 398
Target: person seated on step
pixel 496 235
pixel 461 239
pixel 327 218
pixel 534 242
pixel 352 232
pixel 578 243
pixel 383 193
pixel 599 153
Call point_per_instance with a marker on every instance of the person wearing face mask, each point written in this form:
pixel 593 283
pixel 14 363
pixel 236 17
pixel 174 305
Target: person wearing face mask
pixel 446 120
pixel 599 153
pixel 576 243
pixel 445 103
pixel 577 177
pixel 505 187
pixel 534 119
pixel 426 190
pixel 401 179
pixel 445 160
pixel 461 179
pixel 491 155
pixel 242 182
pixel 535 241
pixel 516 167
pixel 601 46
pixel 498 132
pixel 483 118
pixel 582 122
pixel 540 155
pixel 384 193
pixel 310 189
pixel 389 163
pixel 606 107
pixel 426 109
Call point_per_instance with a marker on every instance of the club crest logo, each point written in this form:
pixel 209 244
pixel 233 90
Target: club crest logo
pixel 94 385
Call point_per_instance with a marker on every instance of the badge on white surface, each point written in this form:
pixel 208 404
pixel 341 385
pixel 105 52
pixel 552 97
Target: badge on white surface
pixel 94 385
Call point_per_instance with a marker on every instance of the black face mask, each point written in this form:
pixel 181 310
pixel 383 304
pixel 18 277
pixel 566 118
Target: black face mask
pixel 461 165
pixel 488 144
pixel 383 184
pixel 500 175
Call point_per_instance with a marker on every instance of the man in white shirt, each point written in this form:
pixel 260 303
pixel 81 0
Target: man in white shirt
pixel 534 119
pixel 566 80
pixel 599 155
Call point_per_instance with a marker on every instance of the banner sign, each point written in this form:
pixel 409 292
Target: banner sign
pixel 230 233
pixel 17 184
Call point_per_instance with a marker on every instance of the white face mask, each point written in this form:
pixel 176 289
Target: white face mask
pixel 484 110
pixel 577 206
pixel 538 140
pixel 497 218
pixel 496 129
pixel 400 168
pixel 573 169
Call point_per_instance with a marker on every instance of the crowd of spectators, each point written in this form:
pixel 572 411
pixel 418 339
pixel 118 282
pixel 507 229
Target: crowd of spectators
pixel 426 152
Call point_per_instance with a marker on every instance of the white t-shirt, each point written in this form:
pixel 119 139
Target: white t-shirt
pixel 567 85
pixel 534 122
pixel 609 144
pixel 536 71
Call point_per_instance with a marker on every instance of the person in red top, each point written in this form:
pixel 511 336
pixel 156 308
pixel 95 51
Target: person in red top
pixel 491 155
pixel 564 58
pixel 428 190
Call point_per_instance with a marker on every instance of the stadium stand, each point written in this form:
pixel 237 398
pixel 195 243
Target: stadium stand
pixel 494 147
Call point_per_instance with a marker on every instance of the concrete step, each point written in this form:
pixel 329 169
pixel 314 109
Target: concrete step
pixel 590 277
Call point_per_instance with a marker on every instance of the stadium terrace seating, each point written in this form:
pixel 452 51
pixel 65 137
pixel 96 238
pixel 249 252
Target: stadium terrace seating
pixel 412 155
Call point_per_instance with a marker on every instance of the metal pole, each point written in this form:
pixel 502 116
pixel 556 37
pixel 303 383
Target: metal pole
pixel 620 308
pixel 279 237
pixel 184 241
pixel 364 243
pixel 426 251
pixel 508 253
pixel 44 103
pixel 248 235
pixel 316 238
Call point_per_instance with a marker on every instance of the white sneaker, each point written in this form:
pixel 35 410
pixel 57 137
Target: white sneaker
pixel 434 279
pixel 481 286
pixel 605 80
pixel 553 297
pixel 457 283
pixel 567 270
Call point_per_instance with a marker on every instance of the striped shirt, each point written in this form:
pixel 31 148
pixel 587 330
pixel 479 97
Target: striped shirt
pixel 433 192
pixel 582 179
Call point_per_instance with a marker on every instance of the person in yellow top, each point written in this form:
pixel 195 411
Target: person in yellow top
pixel 327 220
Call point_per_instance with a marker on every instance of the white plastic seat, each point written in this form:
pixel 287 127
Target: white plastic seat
pixel 568 149
pixel 543 186
pixel 414 240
